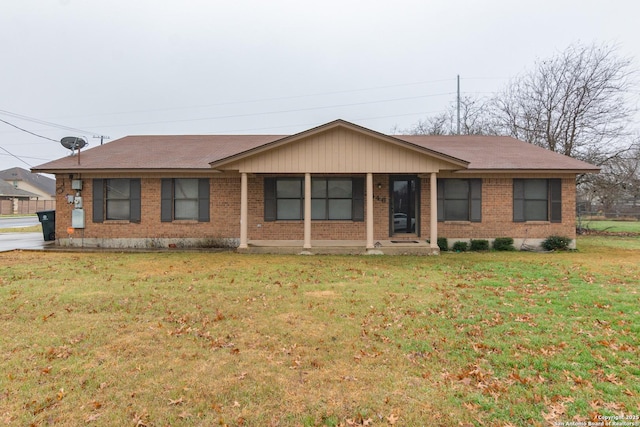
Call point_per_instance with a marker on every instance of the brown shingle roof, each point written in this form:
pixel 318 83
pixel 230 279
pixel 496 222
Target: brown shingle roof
pixel 159 152
pixel 498 153
pixel 197 152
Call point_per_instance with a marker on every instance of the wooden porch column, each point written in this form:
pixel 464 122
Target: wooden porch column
pixel 244 203
pixel 433 238
pixel 369 210
pixel 307 211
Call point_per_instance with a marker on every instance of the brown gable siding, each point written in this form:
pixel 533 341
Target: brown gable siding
pixel 340 150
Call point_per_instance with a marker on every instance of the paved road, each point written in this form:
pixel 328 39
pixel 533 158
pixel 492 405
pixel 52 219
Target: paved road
pixel 12 241
pixel 18 221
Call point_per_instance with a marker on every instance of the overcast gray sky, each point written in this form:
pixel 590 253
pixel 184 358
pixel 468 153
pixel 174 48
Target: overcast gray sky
pixel 127 67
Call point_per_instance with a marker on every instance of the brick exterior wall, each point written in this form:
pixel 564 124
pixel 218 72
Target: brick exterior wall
pixel 497 214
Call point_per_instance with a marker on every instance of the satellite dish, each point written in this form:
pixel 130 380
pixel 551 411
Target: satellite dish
pixel 73 142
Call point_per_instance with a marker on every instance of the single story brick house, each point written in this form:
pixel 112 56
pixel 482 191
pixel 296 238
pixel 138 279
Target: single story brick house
pixel 334 186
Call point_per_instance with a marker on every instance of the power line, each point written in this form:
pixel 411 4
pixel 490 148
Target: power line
pixel 43 122
pixel 27 131
pixel 281 98
pixel 13 155
pixel 305 125
pixel 295 110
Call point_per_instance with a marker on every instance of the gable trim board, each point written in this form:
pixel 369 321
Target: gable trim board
pixel 237 174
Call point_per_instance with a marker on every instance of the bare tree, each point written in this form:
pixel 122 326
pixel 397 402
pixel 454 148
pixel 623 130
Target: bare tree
pixel 574 103
pixel 474 120
pixel 617 188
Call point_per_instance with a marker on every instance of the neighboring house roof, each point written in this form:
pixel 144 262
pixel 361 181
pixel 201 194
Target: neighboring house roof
pixel 43 183
pixel 201 152
pixel 8 190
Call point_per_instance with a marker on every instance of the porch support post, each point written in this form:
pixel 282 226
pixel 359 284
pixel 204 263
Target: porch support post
pixel 307 211
pixel 433 238
pixel 244 203
pixel 369 210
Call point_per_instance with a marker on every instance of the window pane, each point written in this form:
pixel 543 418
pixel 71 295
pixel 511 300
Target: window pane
pixel 340 188
pixel 535 210
pixel 118 189
pixel 318 188
pixel 318 209
pixel 456 210
pixel 186 209
pixel 186 188
pixel 118 209
pixel 339 208
pixel 535 189
pixel 456 189
pixel 289 209
pixel 289 188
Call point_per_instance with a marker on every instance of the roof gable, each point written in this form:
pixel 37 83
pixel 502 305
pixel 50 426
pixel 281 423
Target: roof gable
pixel 42 183
pixel 8 190
pixel 339 147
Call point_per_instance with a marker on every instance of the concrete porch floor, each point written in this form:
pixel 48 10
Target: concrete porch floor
pixel 341 247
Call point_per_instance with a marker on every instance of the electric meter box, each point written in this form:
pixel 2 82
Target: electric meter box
pixel 77 218
pixel 76 184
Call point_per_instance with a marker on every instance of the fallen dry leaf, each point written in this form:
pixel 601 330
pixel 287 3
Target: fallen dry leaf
pixel 92 417
pixel 179 401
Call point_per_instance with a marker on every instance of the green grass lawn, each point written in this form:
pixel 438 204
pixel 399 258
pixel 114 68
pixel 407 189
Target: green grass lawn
pixel 500 339
pixel 613 226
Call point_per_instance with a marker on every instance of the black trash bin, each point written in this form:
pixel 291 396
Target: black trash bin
pixel 48 220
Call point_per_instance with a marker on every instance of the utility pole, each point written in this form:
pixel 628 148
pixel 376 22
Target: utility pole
pixel 458 104
pixel 102 138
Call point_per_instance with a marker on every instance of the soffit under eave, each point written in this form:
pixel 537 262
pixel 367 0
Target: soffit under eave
pixel 419 165
pixel 130 172
pixel 524 171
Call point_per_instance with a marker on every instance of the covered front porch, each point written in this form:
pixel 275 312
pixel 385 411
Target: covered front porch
pixel 339 151
pixel 409 243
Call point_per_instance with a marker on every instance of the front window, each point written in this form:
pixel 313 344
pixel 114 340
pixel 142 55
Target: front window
pixel 118 199
pixel 460 199
pixel 531 199
pixel 456 200
pixel 185 199
pixel 536 200
pixel 331 198
pixel 289 198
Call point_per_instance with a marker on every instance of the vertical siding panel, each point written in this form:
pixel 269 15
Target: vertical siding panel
pixel 346 137
pixel 315 154
pixel 358 153
pixel 322 147
pixel 295 156
pixel 340 148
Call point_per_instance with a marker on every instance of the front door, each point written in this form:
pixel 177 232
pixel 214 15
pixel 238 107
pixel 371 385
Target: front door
pixel 404 214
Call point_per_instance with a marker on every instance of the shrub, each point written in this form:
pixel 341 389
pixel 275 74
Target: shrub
pixel 443 244
pixel 556 243
pixel 479 245
pixel 460 246
pixel 503 244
